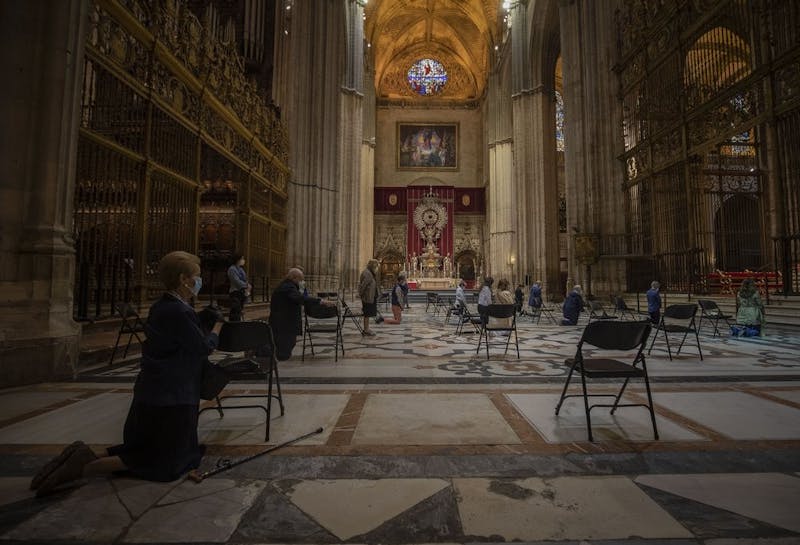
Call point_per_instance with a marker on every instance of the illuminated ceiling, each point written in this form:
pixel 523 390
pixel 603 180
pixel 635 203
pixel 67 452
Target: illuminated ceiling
pixel 461 34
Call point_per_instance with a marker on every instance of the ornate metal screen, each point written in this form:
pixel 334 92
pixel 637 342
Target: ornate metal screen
pixel 710 119
pixel 177 151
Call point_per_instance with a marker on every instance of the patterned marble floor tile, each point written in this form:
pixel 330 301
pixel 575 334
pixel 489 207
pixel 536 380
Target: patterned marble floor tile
pixel 369 503
pixel 97 420
pixel 138 496
pixel 735 414
pixel 789 396
pixel 755 541
pixel 562 508
pixel 13 404
pixel 14 489
pixel 89 514
pixel 304 413
pixel 206 512
pixel 629 423
pixel 432 419
pixel 768 497
pixel 423 336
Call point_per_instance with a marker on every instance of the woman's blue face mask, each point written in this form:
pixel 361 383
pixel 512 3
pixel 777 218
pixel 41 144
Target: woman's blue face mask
pixel 198 284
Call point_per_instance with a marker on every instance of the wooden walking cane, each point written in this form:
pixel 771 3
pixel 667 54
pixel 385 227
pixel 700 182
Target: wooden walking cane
pixel 198 477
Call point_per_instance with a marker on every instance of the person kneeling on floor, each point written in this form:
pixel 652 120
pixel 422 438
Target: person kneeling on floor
pixel 398 297
pixel 160 434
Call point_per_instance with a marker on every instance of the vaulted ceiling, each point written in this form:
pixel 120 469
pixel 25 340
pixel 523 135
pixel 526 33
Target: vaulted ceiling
pixel 460 34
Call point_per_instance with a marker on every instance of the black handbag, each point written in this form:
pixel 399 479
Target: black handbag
pixel 213 380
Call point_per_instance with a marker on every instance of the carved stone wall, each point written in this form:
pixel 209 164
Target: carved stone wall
pixel 390 235
pixel 38 339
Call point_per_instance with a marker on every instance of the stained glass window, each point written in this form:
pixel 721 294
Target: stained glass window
pixel 427 77
pixel 559 122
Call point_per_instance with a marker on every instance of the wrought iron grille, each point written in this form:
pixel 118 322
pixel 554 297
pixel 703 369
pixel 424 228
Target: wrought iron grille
pixel 105 222
pixel 710 109
pixel 172 139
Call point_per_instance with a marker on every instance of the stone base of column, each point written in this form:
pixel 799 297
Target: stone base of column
pixel 35 360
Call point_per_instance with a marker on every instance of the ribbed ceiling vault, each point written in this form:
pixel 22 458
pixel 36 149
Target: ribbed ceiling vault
pixel 461 34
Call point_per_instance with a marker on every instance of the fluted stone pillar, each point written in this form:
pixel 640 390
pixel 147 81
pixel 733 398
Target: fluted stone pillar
pixel 592 131
pixel 356 202
pixel 308 85
pixel 501 202
pixel 535 174
pixel 41 47
pixel 536 180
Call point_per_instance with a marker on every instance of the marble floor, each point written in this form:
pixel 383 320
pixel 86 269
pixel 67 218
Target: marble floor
pixel 425 441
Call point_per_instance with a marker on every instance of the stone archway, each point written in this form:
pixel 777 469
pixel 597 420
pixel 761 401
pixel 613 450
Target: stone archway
pixel 392 263
pixel 467 265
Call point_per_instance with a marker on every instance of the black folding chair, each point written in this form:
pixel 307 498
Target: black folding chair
pixel 322 320
pixel 468 318
pixel 536 314
pixel 499 312
pixel 616 336
pixel 711 312
pixel 685 315
pixel 598 312
pixel 383 298
pixel 355 316
pixel 431 299
pixel 622 308
pixel 452 310
pixel 130 325
pixel 255 336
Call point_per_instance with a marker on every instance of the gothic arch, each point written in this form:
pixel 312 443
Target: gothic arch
pixel 545 43
pixel 716 60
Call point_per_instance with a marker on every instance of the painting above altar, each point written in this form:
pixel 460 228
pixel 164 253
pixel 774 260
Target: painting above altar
pixel 427 146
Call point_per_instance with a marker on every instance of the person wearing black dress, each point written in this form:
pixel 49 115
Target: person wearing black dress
pixel 160 434
pixel 285 311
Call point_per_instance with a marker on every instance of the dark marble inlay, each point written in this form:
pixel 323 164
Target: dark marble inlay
pixel 273 518
pixel 707 522
pixel 501 465
pixel 434 519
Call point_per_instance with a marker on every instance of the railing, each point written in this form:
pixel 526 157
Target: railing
pixel 167 115
pixel 787 261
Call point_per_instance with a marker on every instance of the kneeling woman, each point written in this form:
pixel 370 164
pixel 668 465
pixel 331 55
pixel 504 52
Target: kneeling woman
pixel 160 434
pixel 399 295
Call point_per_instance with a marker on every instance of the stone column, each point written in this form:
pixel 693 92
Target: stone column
pixel 501 205
pixel 592 133
pixel 41 47
pixel 308 85
pixel 356 202
pixel 536 180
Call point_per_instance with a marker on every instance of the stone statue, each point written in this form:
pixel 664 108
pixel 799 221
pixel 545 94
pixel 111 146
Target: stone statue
pixel 448 266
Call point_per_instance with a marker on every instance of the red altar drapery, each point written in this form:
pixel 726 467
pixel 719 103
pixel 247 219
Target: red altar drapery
pixel 416 243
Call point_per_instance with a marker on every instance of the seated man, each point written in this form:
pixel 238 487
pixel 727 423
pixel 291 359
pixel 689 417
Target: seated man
pixel 572 307
pixel 285 316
